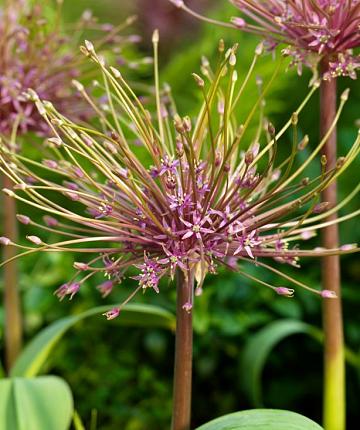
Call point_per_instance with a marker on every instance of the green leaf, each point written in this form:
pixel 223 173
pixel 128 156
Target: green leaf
pixel 259 347
pixel 38 403
pixel 78 425
pixel 261 419
pixel 34 355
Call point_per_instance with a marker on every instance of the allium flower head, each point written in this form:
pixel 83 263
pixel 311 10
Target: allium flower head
pixel 199 193
pixel 35 53
pixel 328 28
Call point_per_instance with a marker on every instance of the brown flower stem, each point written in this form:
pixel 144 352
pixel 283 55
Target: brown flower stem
pixel 183 355
pixel 13 318
pixel 334 364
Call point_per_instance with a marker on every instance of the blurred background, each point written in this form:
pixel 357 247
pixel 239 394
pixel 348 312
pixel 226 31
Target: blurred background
pixel 125 374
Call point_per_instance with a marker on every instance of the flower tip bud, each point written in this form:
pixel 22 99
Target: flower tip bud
pixel 221 46
pixel 23 219
pixel 349 247
pixel 32 95
pixel 321 207
pixel 304 142
pixel 131 19
pixel 89 46
pixel 249 157
pixel 177 3
pixel 34 239
pixel 198 80
pixel 54 141
pixel 345 95
pixel 271 129
pixel 179 127
pixel 8 192
pixel 328 294
pixel 5 241
pixel 40 107
pixel 78 85
pixel 155 36
pixel 294 118
pixel 283 291
pixel 115 72
pixel 80 266
pixel 305 182
pixel 340 162
pixel 259 49
pixel 238 22
pixel 50 221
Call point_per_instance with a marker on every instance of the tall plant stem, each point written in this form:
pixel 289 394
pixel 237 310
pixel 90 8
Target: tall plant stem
pixel 183 355
pixel 334 364
pixel 13 319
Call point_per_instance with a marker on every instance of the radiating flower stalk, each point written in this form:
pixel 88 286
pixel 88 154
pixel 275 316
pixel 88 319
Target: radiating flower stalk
pixel 36 53
pixel 322 35
pixel 204 193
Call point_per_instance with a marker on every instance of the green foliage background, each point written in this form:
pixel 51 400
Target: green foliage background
pixel 125 373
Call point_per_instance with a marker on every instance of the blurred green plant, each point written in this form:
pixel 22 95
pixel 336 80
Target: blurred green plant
pixel 35 403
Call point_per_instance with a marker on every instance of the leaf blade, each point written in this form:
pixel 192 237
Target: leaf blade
pixel 35 403
pixel 259 347
pixel 261 419
pixel 34 355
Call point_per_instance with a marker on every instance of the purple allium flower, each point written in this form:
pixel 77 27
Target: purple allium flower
pixel 43 60
pixel 312 29
pixel 254 209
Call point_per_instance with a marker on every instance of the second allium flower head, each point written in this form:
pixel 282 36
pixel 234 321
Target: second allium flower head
pixel 36 52
pixel 326 28
pixel 203 193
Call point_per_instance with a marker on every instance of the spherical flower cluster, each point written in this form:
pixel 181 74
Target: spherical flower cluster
pixel 197 194
pixel 35 53
pixel 326 28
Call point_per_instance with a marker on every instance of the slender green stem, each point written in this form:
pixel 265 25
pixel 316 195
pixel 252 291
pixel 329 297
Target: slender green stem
pixel 183 355
pixel 334 360
pixel 13 318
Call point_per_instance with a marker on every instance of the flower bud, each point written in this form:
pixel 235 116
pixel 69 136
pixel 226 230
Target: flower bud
pixel 78 85
pixel 321 207
pixel 8 192
pixel 328 294
pixel 89 47
pixel 34 239
pixel 5 240
pixel 23 219
pixel 238 22
pixel 177 3
pixel 80 266
pixel 179 126
pixel 271 129
pixel 283 291
pixel 303 143
pixel 198 80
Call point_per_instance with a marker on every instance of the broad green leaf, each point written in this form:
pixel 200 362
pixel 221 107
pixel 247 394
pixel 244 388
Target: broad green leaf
pixel 259 348
pixel 38 403
pixel 261 419
pixel 33 357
